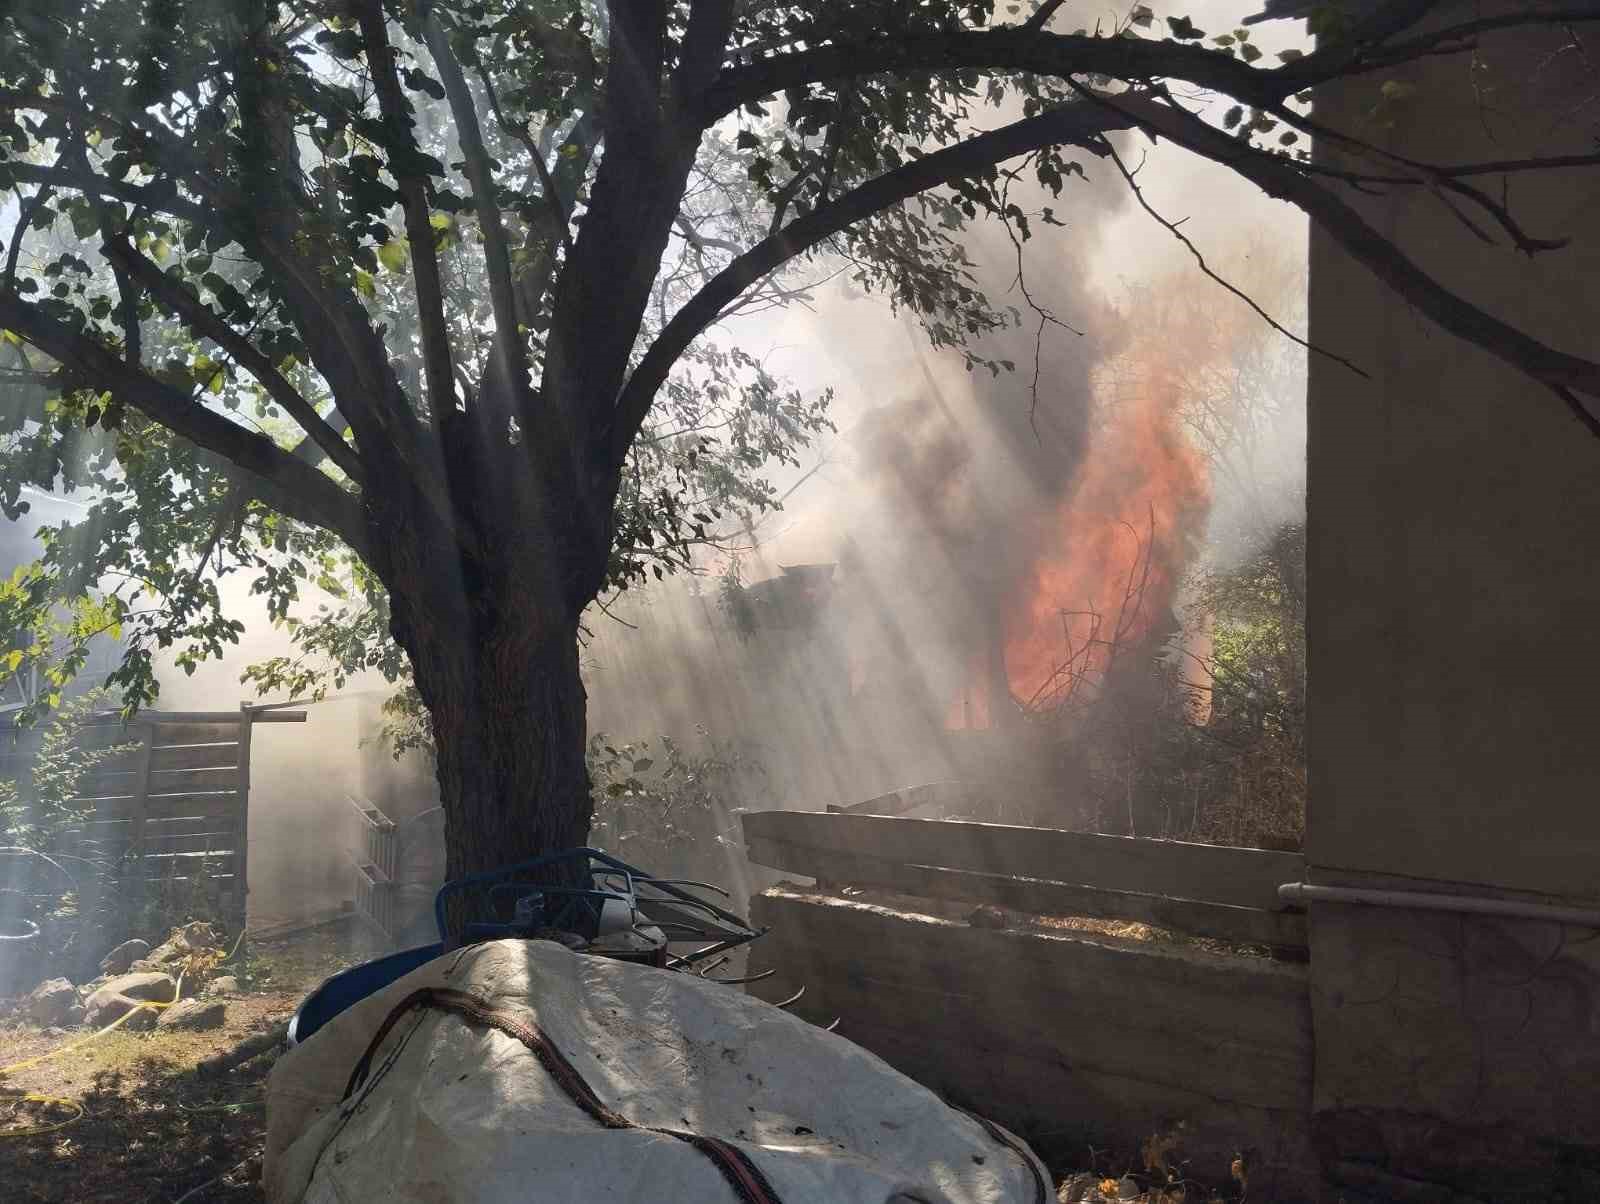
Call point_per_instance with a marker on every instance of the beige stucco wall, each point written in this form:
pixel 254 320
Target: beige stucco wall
pixel 1454 656
pixel 1454 543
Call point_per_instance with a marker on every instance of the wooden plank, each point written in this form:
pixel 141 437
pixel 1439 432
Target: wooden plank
pixel 229 717
pixel 194 756
pixel 106 784
pixel 111 735
pixel 939 796
pixel 216 843
pixel 138 808
pixel 1208 873
pixel 223 803
pixel 168 734
pixel 194 781
pixel 247 721
pixel 1031 896
pixel 158 828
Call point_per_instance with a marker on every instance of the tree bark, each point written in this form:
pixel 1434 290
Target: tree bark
pixel 487 607
pixel 510 730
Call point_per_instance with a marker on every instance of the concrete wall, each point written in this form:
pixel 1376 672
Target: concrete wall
pixel 1454 656
pixel 1070 1040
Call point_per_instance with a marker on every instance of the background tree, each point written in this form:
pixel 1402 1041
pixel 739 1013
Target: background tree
pixel 470 251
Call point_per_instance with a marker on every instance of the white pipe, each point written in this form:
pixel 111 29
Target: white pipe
pixel 1306 892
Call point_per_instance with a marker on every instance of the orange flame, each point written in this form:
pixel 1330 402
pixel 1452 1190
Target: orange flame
pixel 1113 550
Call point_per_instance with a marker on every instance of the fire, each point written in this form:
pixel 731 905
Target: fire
pixel 1113 550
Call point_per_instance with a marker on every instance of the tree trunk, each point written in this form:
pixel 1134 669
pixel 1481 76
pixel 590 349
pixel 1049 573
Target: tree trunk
pixel 511 737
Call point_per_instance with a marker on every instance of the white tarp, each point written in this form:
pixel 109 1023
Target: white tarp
pixel 454 1111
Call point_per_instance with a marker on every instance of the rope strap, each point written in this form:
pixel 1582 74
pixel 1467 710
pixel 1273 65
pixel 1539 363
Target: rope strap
pixel 735 1166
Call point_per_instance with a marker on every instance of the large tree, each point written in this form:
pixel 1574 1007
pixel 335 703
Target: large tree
pixel 459 258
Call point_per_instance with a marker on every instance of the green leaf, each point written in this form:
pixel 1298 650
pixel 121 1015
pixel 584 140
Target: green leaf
pixel 1249 53
pixel 1289 56
pixel 642 764
pixel 1184 29
pixel 394 254
pixel 1233 116
pixel 1141 16
pixel 365 285
pixel 747 141
pixel 160 249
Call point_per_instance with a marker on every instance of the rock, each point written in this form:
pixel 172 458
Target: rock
pixel 987 917
pixel 121 959
pixel 50 1003
pixel 199 935
pixel 142 1021
pixel 1077 1189
pixel 194 1014
pixel 121 991
pixel 102 1010
pixel 226 985
pixel 173 950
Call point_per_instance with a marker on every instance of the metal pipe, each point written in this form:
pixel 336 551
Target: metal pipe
pixel 1306 892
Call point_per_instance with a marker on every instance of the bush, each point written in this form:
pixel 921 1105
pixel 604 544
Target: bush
pixel 49 875
pixel 670 810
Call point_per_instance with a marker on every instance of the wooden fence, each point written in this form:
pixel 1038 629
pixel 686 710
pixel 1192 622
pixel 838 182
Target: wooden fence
pixel 174 800
pixel 1050 1028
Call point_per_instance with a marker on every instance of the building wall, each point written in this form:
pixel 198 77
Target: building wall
pixel 1454 653
pixel 1454 508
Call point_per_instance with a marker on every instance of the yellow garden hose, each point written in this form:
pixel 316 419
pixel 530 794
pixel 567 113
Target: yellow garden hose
pixel 34 1097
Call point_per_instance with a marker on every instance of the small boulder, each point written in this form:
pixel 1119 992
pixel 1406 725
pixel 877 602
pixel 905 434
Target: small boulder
pixel 988 917
pixel 102 1010
pixel 142 1020
pixel 121 959
pixel 226 985
pixel 199 935
pixel 194 1015
pixel 123 990
pixel 50 1003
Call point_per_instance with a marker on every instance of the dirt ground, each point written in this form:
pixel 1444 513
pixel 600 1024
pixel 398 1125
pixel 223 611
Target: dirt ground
pixel 150 1130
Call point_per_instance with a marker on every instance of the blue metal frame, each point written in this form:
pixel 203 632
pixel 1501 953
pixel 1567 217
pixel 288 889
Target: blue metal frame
pixel 349 987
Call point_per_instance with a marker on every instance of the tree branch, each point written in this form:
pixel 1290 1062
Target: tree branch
pixel 160 196
pixel 402 150
pixel 1172 228
pixel 510 351
pixel 25 215
pixel 1079 124
pixel 1280 178
pixel 1006 49
pixel 287 484
pixel 204 322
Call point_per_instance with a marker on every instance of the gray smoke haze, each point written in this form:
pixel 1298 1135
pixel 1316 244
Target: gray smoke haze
pixel 934 501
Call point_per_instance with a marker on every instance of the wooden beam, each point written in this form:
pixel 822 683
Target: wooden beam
pixel 230 717
pixel 169 734
pixel 944 795
pixel 1204 873
pixel 248 718
pixel 1033 896
pixel 195 781
pixel 194 756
